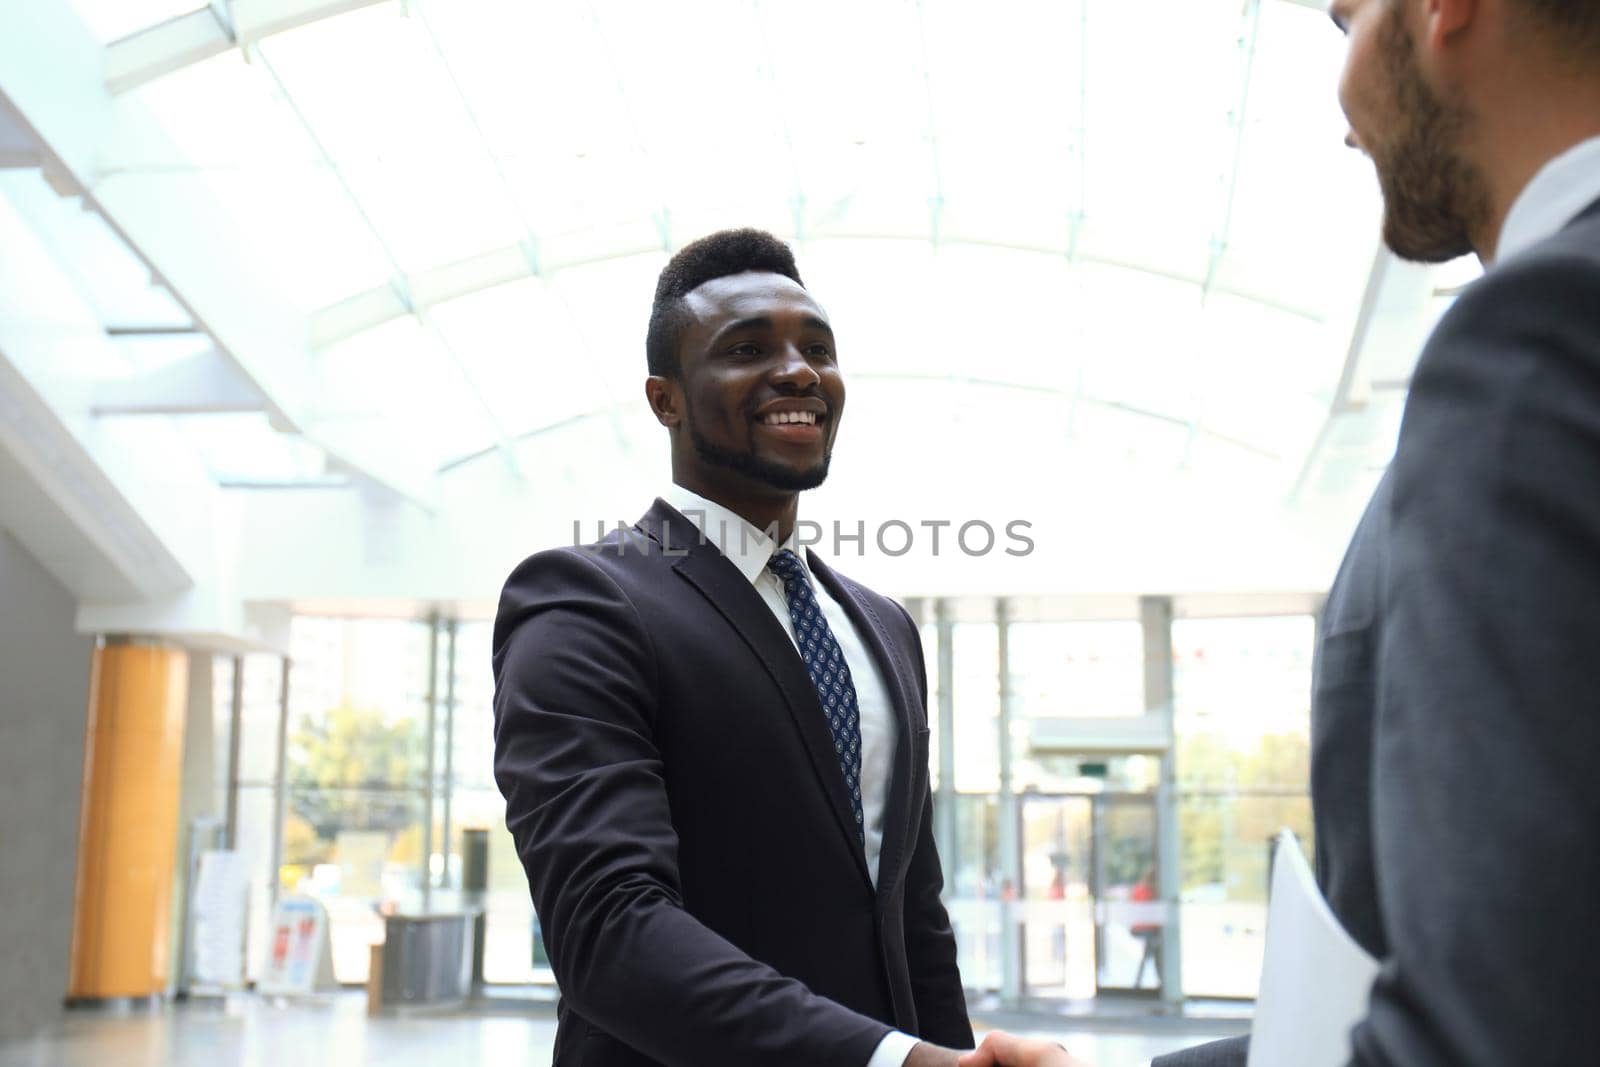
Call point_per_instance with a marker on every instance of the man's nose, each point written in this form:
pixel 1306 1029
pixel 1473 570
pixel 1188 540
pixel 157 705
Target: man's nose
pixel 794 369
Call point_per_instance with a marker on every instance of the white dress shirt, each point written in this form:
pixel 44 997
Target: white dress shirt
pixel 749 549
pixel 1557 195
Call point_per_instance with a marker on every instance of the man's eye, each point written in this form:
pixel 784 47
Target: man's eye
pixel 746 349
pixel 820 351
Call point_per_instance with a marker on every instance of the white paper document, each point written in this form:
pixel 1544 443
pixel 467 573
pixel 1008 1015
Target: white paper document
pixel 1315 980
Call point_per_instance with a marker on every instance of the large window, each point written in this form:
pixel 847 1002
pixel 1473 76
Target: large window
pixel 975 687
pixel 387 762
pixel 1066 670
pixel 1077 669
pixel 974 882
pixel 1242 697
pixel 476 803
pixel 256 829
pixel 357 792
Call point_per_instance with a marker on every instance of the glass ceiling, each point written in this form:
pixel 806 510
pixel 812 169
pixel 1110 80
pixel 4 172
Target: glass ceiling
pixel 110 19
pixel 1138 220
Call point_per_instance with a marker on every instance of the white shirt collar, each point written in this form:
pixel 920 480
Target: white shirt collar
pixel 747 547
pixel 1557 195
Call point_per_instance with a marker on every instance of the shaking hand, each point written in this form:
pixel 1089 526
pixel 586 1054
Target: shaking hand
pixel 1000 1049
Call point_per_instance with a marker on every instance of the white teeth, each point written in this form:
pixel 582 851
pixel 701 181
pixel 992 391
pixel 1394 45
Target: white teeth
pixel 781 418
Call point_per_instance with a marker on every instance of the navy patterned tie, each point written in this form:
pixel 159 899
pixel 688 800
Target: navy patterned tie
pixel 824 661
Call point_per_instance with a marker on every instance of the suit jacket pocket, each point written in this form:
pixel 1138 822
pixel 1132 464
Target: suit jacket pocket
pixel 1344 658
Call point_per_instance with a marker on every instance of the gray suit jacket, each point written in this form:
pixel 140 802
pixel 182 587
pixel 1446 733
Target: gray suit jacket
pixel 1455 715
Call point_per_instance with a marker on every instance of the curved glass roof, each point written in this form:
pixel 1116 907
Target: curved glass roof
pixel 1145 210
pixel 1107 267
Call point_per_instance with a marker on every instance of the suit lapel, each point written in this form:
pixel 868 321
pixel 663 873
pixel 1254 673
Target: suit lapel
pixel 899 681
pixel 719 581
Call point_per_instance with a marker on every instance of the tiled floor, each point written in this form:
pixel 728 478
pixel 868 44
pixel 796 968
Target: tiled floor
pixel 335 1031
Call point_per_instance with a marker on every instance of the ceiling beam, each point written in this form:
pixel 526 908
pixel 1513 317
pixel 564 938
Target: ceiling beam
pixel 426 289
pixel 181 42
pixel 797 193
pixel 1241 115
pixel 1069 394
pixel 172 45
pixel 17 147
pixel 397 281
pixel 936 198
pixel 1387 337
pixel 52 74
pixel 203 384
pixel 63 505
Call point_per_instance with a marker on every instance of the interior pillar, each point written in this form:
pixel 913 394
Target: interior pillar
pixel 128 831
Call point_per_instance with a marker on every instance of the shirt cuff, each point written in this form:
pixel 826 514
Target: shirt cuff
pixel 893 1050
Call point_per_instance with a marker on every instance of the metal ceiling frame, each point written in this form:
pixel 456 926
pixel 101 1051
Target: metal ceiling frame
pixel 52 75
pixel 171 45
pixel 168 46
pixel 373 307
pixel 1391 319
pixel 188 39
pixel 397 279
pixel 936 202
pixel 1071 394
pixel 1219 243
pixel 528 246
pixel 663 219
pixel 797 193
pixel 1220 239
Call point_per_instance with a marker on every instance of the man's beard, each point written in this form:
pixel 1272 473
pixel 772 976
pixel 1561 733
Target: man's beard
pixel 1433 199
pixel 753 466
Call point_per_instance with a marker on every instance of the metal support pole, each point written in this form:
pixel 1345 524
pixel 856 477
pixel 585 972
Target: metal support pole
pixel 231 815
pixel 1155 616
pixel 1010 827
pixel 280 791
pixel 944 805
pixel 428 733
pixel 449 740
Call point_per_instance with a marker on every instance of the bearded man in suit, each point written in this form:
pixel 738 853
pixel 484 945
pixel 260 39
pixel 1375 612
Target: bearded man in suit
pixel 1454 722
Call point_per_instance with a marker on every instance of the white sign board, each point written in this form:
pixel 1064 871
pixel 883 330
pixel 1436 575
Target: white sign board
pixel 299 959
pixel 221 902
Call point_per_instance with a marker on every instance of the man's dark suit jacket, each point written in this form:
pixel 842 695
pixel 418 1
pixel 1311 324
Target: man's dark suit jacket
pixel 1455 717
pixel 673 791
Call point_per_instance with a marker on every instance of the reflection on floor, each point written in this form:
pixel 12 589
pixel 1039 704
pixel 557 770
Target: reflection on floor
pixel 252 1032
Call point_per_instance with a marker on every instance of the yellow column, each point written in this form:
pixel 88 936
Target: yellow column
pixel 128 831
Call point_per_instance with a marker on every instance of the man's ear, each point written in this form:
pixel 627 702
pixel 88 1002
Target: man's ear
pixel 1444 19
pixel 666 400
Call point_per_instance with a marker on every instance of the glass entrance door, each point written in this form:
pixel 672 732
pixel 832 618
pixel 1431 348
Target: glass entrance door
pixel 1091 921
pixel 1057 900
pixel 1129 915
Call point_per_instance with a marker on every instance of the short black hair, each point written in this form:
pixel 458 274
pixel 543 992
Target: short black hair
pixel 716 255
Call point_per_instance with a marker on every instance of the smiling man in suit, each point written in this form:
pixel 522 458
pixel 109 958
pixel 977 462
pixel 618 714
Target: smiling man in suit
pixel 1454 718
pixel 713 746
